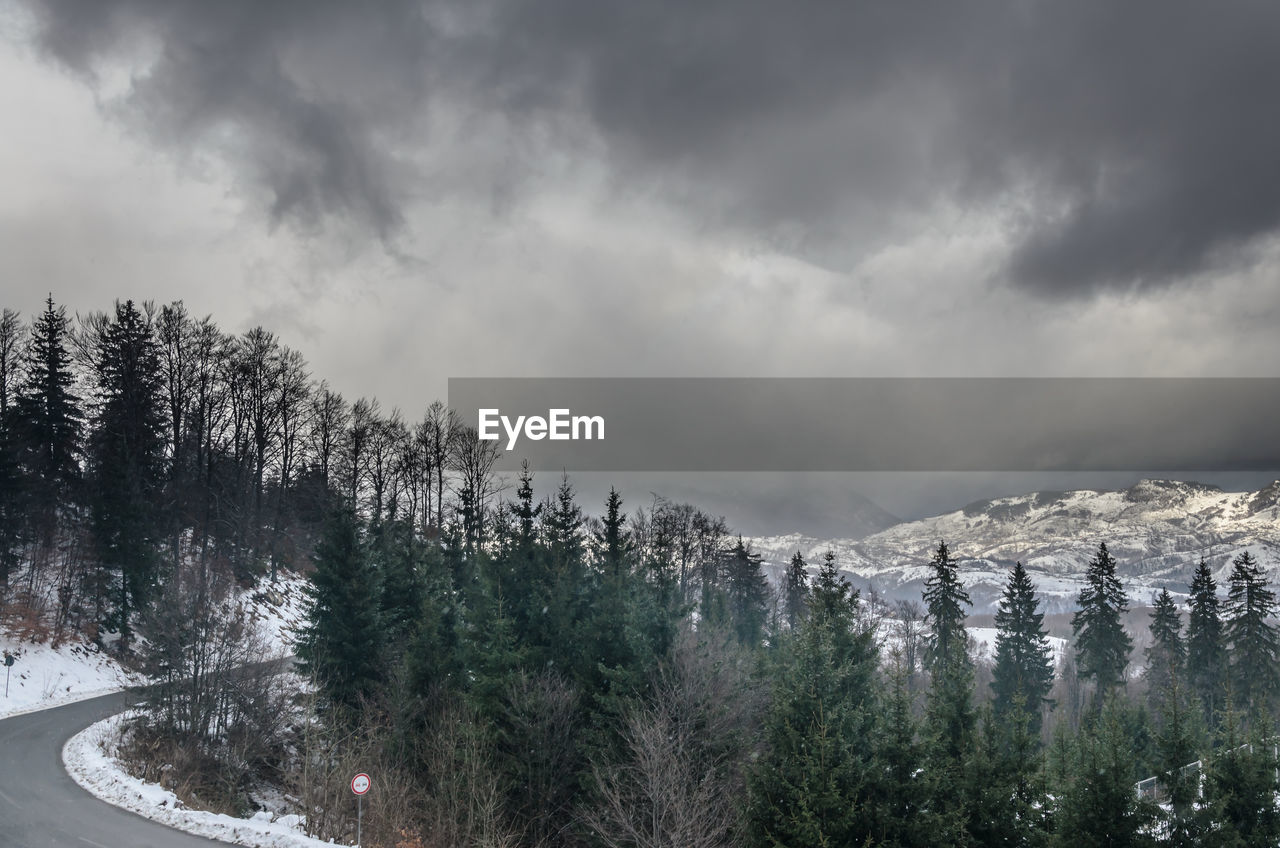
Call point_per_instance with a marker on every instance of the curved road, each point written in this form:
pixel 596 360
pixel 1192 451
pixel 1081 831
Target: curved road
pixel 42 807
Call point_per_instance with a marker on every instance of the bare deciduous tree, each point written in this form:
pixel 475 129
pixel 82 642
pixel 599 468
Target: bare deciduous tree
pixel 684 750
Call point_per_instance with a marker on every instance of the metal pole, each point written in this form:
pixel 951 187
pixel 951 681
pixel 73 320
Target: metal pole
pixel 7 670
pixel 359 818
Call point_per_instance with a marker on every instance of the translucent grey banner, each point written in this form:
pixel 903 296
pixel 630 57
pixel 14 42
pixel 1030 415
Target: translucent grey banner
pixel 870 424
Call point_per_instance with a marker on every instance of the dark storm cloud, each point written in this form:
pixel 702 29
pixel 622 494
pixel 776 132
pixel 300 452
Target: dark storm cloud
pixel 1125 144
pixel 245 80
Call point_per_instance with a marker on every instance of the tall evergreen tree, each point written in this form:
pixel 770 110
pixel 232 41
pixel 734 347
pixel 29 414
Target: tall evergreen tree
pixel 1206 653
pixel 342 640
pixel 613 544
pixel 949 718
pixel 747 592
pixel 1175 750
pixel 127 460
pixel 1097 807
pixel 1252 639
pixel 1102 646
pixel 1023 672
pixel 900 809
pixel 1166 655
pixel 1240 789
pixel 945 602
pixel 50 422
pixel 811 786
pixel 795 590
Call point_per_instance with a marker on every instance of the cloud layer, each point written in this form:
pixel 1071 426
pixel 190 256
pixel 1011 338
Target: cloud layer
pixel 1120 146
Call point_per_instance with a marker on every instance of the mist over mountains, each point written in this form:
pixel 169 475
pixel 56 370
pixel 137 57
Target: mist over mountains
pixel 1157 530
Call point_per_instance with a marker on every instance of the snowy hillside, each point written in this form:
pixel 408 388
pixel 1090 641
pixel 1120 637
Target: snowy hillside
pixel 44 676
pixel 1157 530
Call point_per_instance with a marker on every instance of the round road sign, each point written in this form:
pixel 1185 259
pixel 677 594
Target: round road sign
pixel 360 783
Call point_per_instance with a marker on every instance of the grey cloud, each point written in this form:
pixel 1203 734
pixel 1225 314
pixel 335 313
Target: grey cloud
pixel 224 82
pixel 1136 140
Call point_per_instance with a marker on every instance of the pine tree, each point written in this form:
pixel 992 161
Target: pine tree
pixel 1166 655
pixel 50 422
pixel 1097 806
pixel 1004 784
pixel 811 786
pixel 795 590
pixel 342 639
pixel 945 601
pixel 1252 639
pixel 1176 749
pixel 747 593
pixel 1240 789
pixel 1023 672
pixel 899 807
pixel 126 456
pixel 1206 655
pixel 613 544
pixel 399 560
pixel 949 717
pixel 1102 645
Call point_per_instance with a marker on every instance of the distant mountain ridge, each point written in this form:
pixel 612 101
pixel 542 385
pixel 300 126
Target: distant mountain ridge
pixel 1157 530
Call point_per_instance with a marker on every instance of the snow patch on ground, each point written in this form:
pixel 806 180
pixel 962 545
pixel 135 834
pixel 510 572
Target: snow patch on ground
pixel 90 760
pixel 43 676
pixel 984 643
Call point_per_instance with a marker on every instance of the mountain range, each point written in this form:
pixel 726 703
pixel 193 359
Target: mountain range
pixel 1157 530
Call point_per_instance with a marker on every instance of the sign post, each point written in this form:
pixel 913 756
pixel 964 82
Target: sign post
pixel 8 666
pixel 359 785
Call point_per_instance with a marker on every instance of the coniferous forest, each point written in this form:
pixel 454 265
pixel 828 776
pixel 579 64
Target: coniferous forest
pixel 524 671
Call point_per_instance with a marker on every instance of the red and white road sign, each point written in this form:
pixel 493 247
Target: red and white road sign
pixel 360 783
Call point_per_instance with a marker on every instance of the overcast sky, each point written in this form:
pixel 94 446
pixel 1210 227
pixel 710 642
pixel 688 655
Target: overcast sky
pixel 410 191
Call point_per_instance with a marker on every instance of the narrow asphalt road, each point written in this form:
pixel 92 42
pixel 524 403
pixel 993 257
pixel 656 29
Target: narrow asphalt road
pixel 42 807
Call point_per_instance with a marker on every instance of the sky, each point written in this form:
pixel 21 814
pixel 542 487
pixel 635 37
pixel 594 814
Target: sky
pixel 410 191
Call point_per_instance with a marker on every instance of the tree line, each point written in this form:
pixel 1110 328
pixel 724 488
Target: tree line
pixel 135 438
pixel 515 672
pixel 615 707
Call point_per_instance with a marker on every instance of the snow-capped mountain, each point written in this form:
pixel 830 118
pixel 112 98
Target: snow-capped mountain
pixel 1157 530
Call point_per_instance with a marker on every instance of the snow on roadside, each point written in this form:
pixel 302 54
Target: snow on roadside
pixel 43 676
pixel 89 759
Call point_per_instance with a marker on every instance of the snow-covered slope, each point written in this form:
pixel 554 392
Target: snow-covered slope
pixel 44 676
pixel 1157 530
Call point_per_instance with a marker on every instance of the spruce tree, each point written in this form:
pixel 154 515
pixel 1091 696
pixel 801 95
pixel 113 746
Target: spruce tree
pixel 1102 646
pixel 50 422
pixel 613 544
pixel 1240 789
pixel 1252 639
pixel 949 718
pixel 1176 750
pixel 127 461
pixel 1023 672
pixel 1206 654
pixel 945 603
pixel 1097 806
pixel 399 560
pixel 899 803
pixel 1004 784
pixel 811 786
pixel 342 640
pixel 1166 655
pixel 747 593
pixel 795 590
